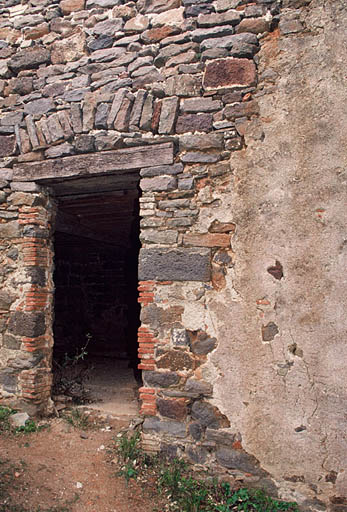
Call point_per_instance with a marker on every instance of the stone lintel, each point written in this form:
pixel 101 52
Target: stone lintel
pixel 95 164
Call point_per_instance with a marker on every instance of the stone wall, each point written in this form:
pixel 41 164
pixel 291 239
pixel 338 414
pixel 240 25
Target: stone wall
pixel 241 227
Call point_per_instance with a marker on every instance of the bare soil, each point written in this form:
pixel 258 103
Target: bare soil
pixel 65 468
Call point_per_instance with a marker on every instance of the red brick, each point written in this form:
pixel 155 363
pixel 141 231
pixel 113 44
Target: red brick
pixel 146 390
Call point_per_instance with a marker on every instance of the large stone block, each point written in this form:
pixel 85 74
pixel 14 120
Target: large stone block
pixel 27 324
pixel 175 264
pixel 238 459
pixel 29 58
pixel 160 379
pixel 231 72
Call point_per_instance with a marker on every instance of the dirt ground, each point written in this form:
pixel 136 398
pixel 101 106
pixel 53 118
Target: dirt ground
pixel 64 466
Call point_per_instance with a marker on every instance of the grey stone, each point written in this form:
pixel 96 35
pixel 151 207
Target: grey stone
pixel 128 40
pixel 115 107
pixel 121 122
pixel 136 112
pixel 168 115
pixel 207 415
pixel 76 94
pixel 37 275
pixel 108 27
pixel 29 20
pixel 9 230
pixel 174 264
pixel 203 344
pixel 8 145
pixel 11 342
pixel 173 204
pixel 239 460
pixel 196 431
pixel 11 118
pixel 137 24
pixel 202 142
pixel 40 106
pixel 76 118
pixel 197 454
pixel 194 157
pixel 160 379
pixel 85 143
pixel 194 105
pixel 6 299
pixel 214 53
pixel 237 41
pixel 159 170
pixel 269 331
pixel 64 149
pixel 19 419
pixel 173 428
pixel 107 54
pixel 55 129
pixel 194 122
pixel 101 116
pixel 8 380
pixel 200 34
pixel 25 186
pixel 158 184
pixel 221 436
pixel 147 112
pixel 154 236
pixel 104 41
pixel 198 387
pixel 32 131
pixel 183 85
pixel 65 122
pixel 52 90
pixel 213 20
pixel 29 58
pixel 102 3
pixel 27 324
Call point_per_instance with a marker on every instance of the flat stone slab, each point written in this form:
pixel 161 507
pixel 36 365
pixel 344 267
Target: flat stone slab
pixel 95 164
pixel 175 264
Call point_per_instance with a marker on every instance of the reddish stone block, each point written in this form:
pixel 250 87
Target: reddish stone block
pixel 154 35
pixel 230 72
pixel 207 240
pixel 174 409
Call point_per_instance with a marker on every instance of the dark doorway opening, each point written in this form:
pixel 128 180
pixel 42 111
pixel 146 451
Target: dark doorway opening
pixel 96 311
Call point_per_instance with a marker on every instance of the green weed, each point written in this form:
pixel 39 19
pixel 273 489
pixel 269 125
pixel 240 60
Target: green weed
pixel 5 424
pixel 78 419
pixel 187 494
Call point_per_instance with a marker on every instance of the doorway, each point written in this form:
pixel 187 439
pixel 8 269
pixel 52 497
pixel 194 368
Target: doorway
pixel 96 312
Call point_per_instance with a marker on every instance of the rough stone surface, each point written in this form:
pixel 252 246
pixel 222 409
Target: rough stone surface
pixel 29 58
pixel 161 379
pixel 27 324
pixel 176 265
pixel 230 72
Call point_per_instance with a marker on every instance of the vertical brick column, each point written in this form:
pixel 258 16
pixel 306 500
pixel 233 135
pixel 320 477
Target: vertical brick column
pixel 35 308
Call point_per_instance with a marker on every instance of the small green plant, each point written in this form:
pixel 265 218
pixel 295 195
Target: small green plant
pixel 5 424
pixel 251 500
pixel 187 494
pixel 132 456
pixel 77 418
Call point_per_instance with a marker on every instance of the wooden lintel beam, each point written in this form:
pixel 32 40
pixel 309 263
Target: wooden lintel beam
pixel 94 164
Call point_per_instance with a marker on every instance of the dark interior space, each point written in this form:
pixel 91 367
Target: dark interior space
pixel 96 313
